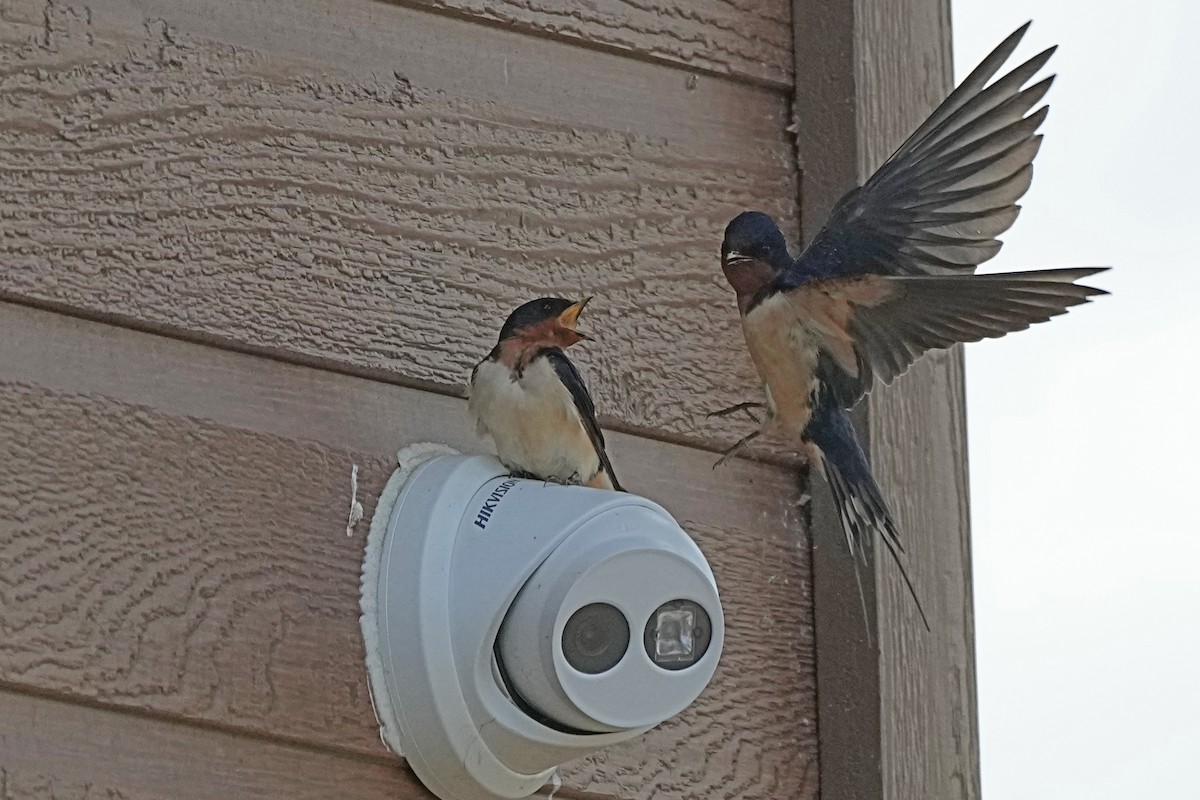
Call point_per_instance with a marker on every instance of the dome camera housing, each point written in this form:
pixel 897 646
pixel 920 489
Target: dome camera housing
pixel 522 624
pixel 572 643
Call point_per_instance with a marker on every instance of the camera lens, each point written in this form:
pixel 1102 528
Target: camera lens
pixel 677 634
pixel 595 638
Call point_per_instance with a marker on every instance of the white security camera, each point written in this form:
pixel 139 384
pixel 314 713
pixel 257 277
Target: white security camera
pixel 520 624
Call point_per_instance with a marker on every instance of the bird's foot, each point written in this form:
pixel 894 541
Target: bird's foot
pixel 523 475
pixel 571 480
pixel 746 406
pixel 737 448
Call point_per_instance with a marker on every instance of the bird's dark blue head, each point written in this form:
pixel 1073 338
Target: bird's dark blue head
pixel 753 252
pixel 547 320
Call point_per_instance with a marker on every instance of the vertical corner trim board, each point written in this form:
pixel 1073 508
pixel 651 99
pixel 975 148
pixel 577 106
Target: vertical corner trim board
pixel 897 708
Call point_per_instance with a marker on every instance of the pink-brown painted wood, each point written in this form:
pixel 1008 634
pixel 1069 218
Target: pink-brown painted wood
pixel 918 441
pixel 747 38
pixel 372 188
pixel 363 189
pixel 173 517
pixel 55 750
pixel 896 702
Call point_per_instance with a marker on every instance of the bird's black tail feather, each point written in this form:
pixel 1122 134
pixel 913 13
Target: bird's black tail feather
pixel 860 502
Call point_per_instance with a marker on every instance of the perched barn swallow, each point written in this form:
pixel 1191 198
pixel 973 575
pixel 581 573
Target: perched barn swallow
pixel 890 277
pixel 528 396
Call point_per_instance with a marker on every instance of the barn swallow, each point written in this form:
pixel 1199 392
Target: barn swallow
pixel 890 277
pixel 528 396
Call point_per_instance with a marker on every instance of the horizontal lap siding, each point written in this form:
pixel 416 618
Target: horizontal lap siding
pixel 361 191
pixel 174 515
pixel 53 750
pixel 381 212
pixel 748 38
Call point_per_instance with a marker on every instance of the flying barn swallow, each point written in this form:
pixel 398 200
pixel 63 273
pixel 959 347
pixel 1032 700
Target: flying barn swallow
pixel 528 396
pixel 890 277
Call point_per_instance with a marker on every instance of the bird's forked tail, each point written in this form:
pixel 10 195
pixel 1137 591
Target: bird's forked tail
pixel 860 503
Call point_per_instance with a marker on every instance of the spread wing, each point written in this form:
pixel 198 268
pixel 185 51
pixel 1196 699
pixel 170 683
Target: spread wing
pixel 938 204
pixel 877 326
pixel 571 379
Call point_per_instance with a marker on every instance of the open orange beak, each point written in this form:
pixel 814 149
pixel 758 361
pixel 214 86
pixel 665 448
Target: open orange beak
pixel 569 317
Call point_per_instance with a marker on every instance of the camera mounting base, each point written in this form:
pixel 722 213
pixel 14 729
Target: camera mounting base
pixel 461 544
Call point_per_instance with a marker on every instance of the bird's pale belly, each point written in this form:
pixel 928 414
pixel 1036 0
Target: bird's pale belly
pixel 534 423
pixel 786 358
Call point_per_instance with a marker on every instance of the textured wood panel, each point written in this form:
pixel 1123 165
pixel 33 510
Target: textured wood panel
pixel 51 750
pixel 929 720
pixel 750 38
pixel 372 188
pixel 173 515
pixel 897 704
pixel 848 709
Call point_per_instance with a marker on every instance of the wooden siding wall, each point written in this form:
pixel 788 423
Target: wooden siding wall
pixel 246 245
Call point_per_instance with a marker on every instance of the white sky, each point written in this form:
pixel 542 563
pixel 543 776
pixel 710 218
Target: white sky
pixel 1082 433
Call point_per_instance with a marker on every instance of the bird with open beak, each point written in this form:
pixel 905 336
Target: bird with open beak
pixel 890 277
pixel 528 396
